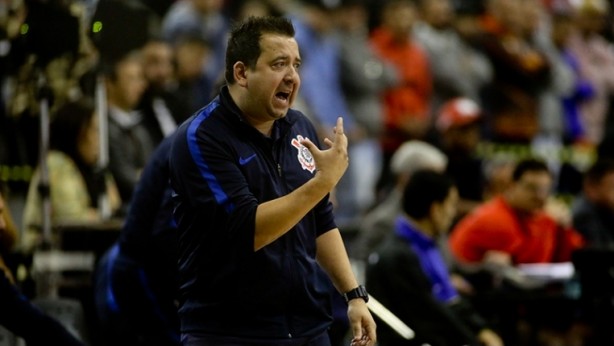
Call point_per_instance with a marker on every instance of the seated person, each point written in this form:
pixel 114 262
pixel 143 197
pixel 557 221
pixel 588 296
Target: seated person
pixel 75 185
pixel 136 279
pixel 411 156
pixel 522 225
pixel 518 226
pixel 17 314
pixel 407 272
pixel 593 210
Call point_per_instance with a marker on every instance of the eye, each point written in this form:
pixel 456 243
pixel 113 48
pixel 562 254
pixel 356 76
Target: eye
pixel 297 66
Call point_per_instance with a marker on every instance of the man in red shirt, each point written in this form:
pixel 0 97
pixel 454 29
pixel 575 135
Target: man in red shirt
pixel 519 226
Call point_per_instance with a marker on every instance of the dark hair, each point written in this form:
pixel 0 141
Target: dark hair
pixel 598 170
pixel 110 67
pixel 67 124
pixel 244 41
pixel 529 165
pixel 424 188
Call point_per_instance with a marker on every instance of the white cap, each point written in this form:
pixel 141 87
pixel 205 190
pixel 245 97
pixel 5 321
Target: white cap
pixel 415 155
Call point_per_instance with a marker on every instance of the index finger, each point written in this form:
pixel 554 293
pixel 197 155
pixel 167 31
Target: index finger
pixel 339 126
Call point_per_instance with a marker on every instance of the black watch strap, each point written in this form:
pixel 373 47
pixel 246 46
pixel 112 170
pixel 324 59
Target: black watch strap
pixel 358 292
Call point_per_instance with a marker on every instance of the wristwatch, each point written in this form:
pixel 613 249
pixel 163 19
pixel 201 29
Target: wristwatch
pixel 358 292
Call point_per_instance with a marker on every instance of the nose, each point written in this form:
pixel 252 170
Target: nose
pixel 291 74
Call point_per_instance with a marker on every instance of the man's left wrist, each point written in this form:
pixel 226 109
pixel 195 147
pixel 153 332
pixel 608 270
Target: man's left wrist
pixel 359 292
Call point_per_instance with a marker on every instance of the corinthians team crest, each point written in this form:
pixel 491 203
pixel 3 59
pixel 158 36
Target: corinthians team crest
pixel 304 156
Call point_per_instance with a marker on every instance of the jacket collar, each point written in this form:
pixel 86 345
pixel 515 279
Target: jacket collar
pixel 280 127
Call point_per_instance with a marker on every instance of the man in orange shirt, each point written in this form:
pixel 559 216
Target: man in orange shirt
pixel 406 105
pixel 520 226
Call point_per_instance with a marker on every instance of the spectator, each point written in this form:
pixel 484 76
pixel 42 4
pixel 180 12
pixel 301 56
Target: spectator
pixel 458 133
pixel 161 109
pixel 521 72
pixel 323 98
pixel 518 226
pixel 407 104
pixel 582 91
pixel 75 185
pixel 524 225
pixel 193 89
pixel 408 274
pixel 593 211
pixel 205 20
pixel 458 69
pixel 595 62
pixel 412 156
pixel 130 145
pixel 537 28
pixel 364 78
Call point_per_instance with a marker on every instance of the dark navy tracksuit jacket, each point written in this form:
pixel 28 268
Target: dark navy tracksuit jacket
pixel 221 169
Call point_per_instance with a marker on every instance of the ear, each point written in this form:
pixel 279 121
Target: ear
pixel 435 211
pixel 240 73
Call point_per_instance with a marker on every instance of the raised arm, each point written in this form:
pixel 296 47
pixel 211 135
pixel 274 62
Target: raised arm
pixel 276 217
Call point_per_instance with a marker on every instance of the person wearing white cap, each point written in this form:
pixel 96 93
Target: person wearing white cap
pixel 410 157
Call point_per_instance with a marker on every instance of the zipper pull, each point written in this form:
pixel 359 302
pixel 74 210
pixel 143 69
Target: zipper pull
pixel 279 169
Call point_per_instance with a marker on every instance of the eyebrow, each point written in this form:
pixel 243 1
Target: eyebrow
pixel 286 57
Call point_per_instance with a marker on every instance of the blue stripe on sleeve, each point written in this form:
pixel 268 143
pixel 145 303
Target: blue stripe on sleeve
pixel 205 171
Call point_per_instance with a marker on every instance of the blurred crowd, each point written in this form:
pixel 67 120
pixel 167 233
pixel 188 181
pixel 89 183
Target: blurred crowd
pixel 540 73
pixel 468 88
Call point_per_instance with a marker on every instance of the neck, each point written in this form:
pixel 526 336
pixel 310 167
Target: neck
pixel 512 204
pixel 423 225
pixel 264 127
pixel 114 105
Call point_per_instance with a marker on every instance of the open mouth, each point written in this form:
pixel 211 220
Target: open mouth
pixel 283 95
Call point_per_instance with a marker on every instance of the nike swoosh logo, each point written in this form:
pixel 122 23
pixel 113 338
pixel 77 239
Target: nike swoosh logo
pixel 243 161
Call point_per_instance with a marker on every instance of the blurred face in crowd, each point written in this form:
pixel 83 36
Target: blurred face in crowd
pixel 273 83
pixel 530 192
pixel 531 13
pixel 320 19
pixel 443 214
pixel 88 144
pixel 399 17
pixel 158 64
pixel 437 13
pixel 509 13
pixel 463 138
pixel 591 20
pixel 351 17
pixel 562 27
pixel 127 86
pixel 601 192
pixel 253 8
pixel 191 58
